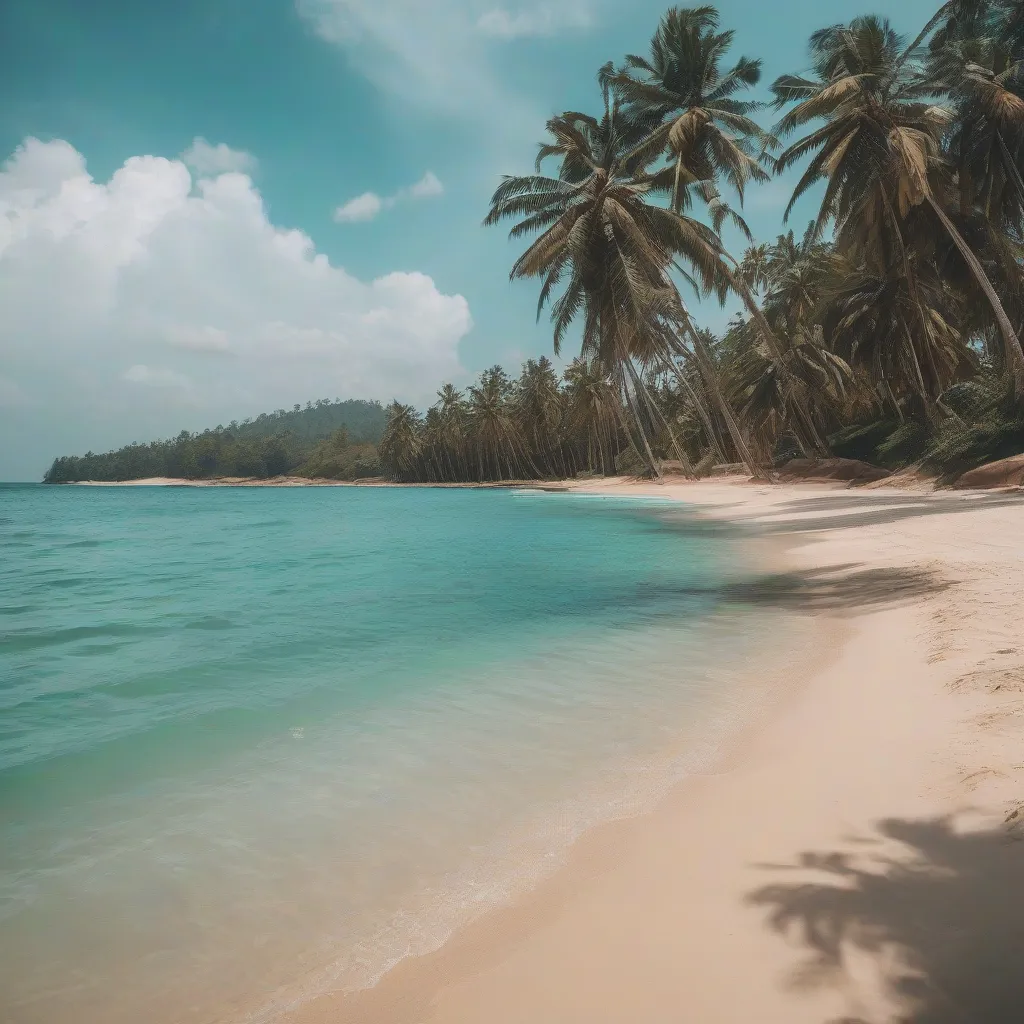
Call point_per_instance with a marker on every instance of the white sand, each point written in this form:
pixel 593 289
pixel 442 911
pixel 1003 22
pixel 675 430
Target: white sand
pixel 858 856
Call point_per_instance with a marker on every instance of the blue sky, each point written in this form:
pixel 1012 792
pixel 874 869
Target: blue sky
pixel 151 282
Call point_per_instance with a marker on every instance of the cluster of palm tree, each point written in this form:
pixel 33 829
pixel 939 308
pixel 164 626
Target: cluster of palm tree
pixel 897 315
pixel 536 426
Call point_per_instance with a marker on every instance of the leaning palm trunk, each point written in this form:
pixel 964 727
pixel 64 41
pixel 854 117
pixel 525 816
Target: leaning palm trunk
pixel 640 388
pixel 735 432
pixel 1014 355
pixel 698 404
pixel 630 401
pixel 803 429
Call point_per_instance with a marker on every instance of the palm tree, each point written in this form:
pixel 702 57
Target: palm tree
pixel 878 153
pixel 683 92
pixel 875 326
pixel 454 430
pixel 707 134
pixel 983 81
pixel 591 403
pixel 401 444
pixel 617 249
pixel 539 402
pixel 499 445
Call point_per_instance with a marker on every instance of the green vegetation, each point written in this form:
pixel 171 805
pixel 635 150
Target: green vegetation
pixel 890 331
pixel 331 440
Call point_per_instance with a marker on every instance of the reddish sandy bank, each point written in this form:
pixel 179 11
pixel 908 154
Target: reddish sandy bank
pixel 857 855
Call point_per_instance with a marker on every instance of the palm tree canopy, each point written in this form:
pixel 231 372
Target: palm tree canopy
pixel 600 234
pixel 689 99
pixel 879 139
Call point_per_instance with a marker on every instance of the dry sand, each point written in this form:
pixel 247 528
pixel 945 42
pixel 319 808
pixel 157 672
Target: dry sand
pixel 858 856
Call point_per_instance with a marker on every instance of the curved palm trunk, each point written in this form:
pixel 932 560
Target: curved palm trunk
pixel 640 387
pixel 1013 354
pixel 635 412
pixel 804 431
pixel 1013 172
pixel 735 433
pixel 702 411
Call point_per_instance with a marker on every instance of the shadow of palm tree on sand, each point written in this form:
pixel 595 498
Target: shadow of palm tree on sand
pixel 834 588
pixel 939 909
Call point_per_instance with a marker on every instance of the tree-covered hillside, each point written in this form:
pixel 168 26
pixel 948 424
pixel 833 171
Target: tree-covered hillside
pixel 331 440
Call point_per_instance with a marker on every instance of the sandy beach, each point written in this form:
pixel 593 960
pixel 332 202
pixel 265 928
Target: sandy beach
pixel 856 856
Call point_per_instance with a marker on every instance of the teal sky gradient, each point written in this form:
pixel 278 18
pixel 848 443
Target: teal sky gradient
pixel 334 98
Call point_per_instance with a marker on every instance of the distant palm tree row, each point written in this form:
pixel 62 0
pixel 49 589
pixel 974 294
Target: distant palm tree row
pixel 504 429
pixel 890 330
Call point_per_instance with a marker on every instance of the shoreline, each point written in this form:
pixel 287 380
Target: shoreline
pixel 302 481
pixel 892 747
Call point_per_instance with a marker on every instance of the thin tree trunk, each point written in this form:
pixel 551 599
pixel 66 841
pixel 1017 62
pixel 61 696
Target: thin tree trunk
pixel 803 430
pixel 735 433
pixel 1012 170
pixel 629 437
pixel 683 459
pixel 702 412
pixel 915 296
pixel 1014 355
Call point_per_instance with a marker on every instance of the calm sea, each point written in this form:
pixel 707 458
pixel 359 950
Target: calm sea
pixel 256 743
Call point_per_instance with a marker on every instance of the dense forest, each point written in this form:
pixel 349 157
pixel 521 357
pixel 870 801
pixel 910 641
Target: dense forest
pixel 325 439
pixel 888 330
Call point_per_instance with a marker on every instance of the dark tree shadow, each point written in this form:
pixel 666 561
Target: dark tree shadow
pixel 836 588
pixel 949 905
pixel 894 510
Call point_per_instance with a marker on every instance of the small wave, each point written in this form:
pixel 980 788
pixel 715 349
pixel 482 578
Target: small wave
pixel 30 640
pixel 210 622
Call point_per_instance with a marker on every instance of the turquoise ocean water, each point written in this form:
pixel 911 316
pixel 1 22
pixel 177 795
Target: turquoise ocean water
pixel 256 743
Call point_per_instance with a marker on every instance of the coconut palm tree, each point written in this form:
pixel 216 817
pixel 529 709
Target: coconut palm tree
pixel 683 91
pixel 592 411
pixel 453 430
pixel 878 153
pixel 539 409
pixel 691 102
pixel 983 82
pixel 617 250
pixel 401 444
pixel 500 449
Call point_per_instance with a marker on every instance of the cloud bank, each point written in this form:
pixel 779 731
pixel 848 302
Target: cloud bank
pixel 154 301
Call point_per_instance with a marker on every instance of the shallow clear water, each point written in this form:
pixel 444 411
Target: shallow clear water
pixel 255 742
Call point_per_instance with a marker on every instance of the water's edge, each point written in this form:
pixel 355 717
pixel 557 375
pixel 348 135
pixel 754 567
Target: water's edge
pixel 644 785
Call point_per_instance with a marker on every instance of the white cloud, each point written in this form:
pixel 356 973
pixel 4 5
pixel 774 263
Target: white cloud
pixel 364 207
pixel 134 307
pixel 369 204
pixel 428 185
pixel 208 161
pixel 536 21
pixel 437 55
